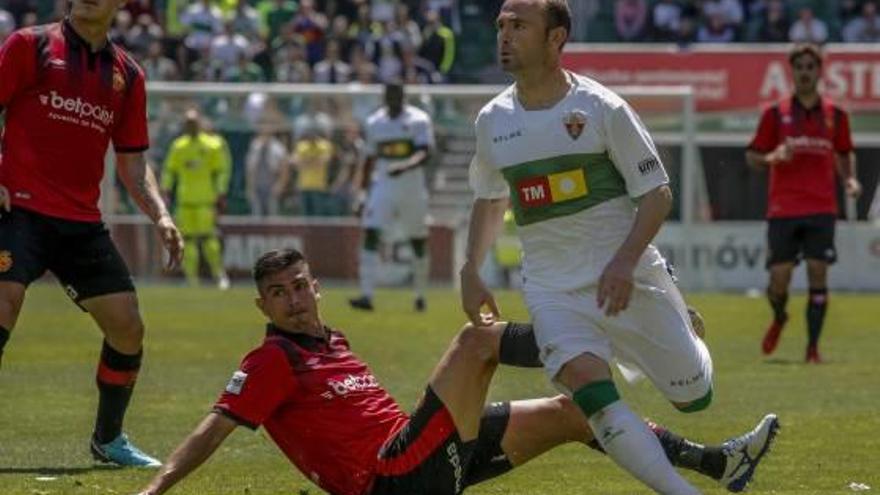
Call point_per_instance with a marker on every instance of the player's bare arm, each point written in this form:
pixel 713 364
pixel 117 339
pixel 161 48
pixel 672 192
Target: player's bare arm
pixel 192 452
pixel 419 158
pixel 616 282
pixel 140 182
pixel 487 217
pixel 846 169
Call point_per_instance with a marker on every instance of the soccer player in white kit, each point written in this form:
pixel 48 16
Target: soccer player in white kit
pixel 399 140
pixel 589 193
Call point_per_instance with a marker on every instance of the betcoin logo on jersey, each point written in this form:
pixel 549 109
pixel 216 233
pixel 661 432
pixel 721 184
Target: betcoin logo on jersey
pixel 78 107
pixel 352 383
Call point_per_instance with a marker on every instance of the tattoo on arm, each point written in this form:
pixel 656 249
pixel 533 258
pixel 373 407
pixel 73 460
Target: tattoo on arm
pixel 140 181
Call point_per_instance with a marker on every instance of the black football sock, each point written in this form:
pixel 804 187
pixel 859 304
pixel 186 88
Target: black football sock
pixel 778 303
pixel 816 308
pixel 685 454
pixel 117 374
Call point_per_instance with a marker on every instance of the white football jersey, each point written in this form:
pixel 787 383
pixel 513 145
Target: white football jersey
pixel 571 173
pixel 390 140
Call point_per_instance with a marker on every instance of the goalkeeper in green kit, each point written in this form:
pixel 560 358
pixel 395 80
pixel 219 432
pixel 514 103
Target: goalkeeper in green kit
pixel 197 170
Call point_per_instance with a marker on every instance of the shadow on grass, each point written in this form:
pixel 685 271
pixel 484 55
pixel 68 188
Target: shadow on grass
pixel 785 362
pixel 57 471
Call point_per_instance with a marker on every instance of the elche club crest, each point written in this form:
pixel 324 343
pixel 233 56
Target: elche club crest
pixel 575 122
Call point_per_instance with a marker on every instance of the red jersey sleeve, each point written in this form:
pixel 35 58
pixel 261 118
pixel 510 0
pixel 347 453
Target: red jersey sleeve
pixel 130 135
pixel 262 383
pixel 17 61
pixel 842 137
pixel 767 136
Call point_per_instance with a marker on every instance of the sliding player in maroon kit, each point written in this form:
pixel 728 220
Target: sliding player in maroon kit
pixel 802 141
pixel 68 91
pixel 332 418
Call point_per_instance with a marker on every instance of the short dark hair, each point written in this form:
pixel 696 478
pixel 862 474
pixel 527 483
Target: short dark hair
pixel 558 15
pixel 805 49
pixel 274 261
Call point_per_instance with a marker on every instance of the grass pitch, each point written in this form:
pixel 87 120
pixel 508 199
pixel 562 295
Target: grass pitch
pixel 195 339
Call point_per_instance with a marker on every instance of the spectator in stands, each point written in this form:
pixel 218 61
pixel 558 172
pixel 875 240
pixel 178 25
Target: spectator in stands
pixel 807 28
pixel 339 32
pixel 332 69
pixel 138 8
pixel 849 9
pixel 438 43
pixel 29 19
pixel 772 26
pixel 120 29
pixel 293 68
pixel 277 13
pixel 311 25
pixel 865 28
pixel 7 24
pixel 158 67
pixel 382 10
pixel 363 29
pixel 244 70
pixel 311 160
pixel 228 47
pixel 417 70
pixel 389 63
pixel 265 159
pixel 246 21
pixel 203 20
pixel 407 30
pixel 630 19
pixel 666 20
pixel 144 32
pixel 716 30
pixel 730 12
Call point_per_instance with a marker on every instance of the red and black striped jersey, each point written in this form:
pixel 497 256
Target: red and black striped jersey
pixel 319 403
pixel 64 103
pixel 806 184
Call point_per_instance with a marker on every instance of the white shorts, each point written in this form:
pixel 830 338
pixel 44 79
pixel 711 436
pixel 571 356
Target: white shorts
pixel 652 337
pixel 397 209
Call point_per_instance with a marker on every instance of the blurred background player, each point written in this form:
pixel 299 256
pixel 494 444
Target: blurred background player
pixel 197 176
pixel 68 91
pixel 399 140
pixel 804 142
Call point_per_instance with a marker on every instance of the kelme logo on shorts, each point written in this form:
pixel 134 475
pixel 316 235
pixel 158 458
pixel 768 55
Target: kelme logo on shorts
pixel 553 188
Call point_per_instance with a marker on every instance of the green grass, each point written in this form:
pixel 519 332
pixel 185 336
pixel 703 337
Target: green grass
pixel 196 338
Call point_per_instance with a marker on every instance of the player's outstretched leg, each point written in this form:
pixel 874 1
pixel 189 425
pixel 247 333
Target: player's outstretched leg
pixel 514 433
pixel 118 317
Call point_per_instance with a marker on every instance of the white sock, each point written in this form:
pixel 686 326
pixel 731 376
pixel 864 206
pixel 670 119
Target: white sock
pixel 632 445
pixel 367 270
pixel 420 269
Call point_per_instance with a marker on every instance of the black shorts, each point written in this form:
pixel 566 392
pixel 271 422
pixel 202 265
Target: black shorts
pixel 426 456
pixel 792 239
pixel 80 254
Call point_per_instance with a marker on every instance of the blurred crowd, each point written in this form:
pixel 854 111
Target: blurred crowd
pixel 724 21
pixel 299 41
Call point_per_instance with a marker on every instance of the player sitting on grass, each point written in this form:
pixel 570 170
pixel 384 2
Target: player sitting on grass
pixel 328 413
